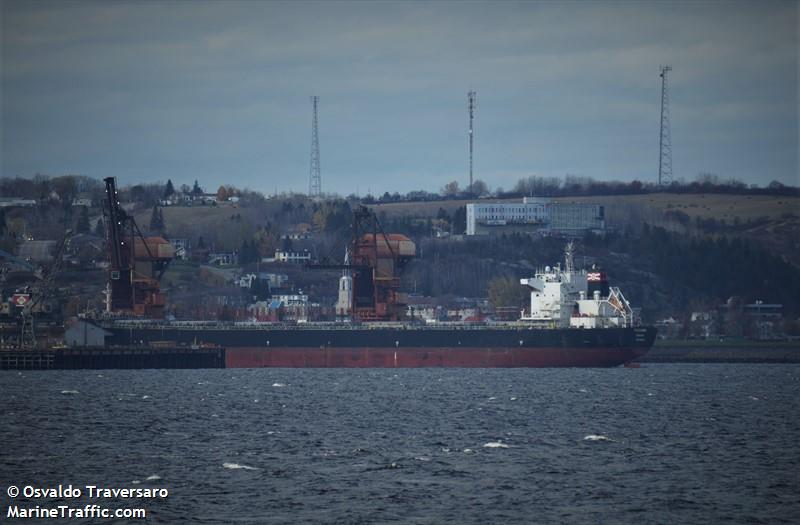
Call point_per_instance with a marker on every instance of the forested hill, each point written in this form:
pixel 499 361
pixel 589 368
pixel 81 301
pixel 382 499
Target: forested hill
pixel 664 273
pixel 670 252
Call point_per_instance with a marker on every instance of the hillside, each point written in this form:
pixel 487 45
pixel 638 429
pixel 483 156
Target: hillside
pixel 772 222
pixel 727 207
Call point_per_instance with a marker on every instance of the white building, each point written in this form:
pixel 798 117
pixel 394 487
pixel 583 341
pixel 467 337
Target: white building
pixel 182 248
pixel 344 306
pixel 247 280
pixel 575 218
pixel 82 201
pixel 276 280
pixel 298 299
pixel 292 257
pixel 13 202
pixel 534 214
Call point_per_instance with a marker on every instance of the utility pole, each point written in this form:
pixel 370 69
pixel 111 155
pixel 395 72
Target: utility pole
pixel 315 179
pixel 471 107
pixel 665 140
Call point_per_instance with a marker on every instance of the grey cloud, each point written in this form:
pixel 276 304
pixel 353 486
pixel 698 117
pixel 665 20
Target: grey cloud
pixel 194 89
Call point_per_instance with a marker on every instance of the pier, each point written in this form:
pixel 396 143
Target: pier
pixel 131 357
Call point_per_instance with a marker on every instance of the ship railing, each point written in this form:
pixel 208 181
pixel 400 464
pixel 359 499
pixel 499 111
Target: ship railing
pixel 223 325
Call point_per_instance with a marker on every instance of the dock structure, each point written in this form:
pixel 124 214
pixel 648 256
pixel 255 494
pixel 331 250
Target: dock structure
pixel 129 357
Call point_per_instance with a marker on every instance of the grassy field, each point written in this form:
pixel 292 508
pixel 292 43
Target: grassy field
pixel 213 223
pixel 653 206
pixel 771 222
pixel 726 207
pixel 196 217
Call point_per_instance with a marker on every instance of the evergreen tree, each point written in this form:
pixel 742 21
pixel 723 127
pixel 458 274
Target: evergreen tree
pixel 100 228
pixel 201 244
pixel 252 252
pixel 260 290
pixel 156 220
pixel 197 190
pixel 243 252
pixel 248 253
pixel 83 225
pixel 170 189
pixel 460 220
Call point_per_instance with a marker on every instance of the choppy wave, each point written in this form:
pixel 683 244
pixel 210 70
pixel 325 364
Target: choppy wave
pixel 597 437
pixel 311 453
pixel 495 444
pixel 237 466
pixel 68 392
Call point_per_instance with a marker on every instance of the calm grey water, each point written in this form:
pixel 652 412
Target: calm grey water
pixel 661 444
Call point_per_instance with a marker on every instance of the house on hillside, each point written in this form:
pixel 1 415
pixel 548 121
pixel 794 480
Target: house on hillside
pixel 83 199
pixel 275 280
pixel 13 202
pixel 205 198
pixel 669 328
pixel 182 248
pixel 176 199
pixel 704 325
pixel 223 258
pixel 292 257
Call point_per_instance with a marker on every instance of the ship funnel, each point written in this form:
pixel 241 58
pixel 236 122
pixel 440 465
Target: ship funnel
pixel 597 295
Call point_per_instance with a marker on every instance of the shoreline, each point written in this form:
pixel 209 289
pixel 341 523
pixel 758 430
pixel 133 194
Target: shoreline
pixel 740 351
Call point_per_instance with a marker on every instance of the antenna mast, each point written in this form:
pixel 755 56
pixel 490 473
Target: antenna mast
pixel 471 107
pixel 665 141
pixel 315 179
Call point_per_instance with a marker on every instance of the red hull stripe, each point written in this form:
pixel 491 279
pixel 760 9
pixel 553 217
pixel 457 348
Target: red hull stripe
pixel 301 357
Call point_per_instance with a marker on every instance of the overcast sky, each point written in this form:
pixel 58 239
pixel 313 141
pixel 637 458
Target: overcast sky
pixel 219 91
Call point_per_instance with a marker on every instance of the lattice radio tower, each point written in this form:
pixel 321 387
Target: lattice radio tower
pixel 665 141
pixel 471 107
pixel 315 179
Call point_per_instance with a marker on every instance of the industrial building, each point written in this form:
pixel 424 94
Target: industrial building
pixel 534 215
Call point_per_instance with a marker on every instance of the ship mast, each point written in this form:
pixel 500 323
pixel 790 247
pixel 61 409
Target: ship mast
pixel 568 257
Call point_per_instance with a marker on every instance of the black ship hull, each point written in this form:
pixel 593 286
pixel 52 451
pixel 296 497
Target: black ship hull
pixel 343 346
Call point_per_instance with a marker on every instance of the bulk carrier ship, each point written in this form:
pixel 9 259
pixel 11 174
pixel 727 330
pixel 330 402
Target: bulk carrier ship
pixel 575 319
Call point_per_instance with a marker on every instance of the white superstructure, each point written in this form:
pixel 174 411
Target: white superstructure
pixel 566 297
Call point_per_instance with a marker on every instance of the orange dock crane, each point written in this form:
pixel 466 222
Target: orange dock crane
pixel 375 261
pixel 136 262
